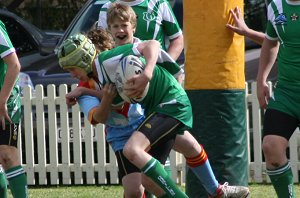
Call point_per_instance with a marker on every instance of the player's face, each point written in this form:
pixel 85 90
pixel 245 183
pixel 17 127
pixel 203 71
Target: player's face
pixel 122 32
pixel 78 73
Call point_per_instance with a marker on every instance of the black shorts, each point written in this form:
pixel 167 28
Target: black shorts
pixel 9 136
pixel 161 131
pixel 279 123
pixel 159 152
pixel 125 166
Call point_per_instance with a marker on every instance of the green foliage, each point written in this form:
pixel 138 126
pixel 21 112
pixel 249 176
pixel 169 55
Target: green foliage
pixel 50 14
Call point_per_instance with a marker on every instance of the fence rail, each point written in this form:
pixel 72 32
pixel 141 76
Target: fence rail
pixel 59 146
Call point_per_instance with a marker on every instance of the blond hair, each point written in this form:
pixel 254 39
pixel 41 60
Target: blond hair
pixel 121 12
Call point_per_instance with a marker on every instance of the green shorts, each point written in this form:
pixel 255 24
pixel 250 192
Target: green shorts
pixel 286 99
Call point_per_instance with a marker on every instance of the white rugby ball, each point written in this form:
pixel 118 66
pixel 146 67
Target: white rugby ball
pixel 128 67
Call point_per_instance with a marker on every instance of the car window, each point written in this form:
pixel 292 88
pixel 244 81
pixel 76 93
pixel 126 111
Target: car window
pixel 20 38
pixel 88 18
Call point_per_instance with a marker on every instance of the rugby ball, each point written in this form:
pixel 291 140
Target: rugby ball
pixel 128 67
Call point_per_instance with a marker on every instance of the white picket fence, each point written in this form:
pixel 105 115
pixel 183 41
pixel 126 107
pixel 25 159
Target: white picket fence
pixel 59 146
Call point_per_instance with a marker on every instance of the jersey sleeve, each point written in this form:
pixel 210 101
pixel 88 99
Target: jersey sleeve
pixel 270 31
pixel 88 105
pixel 6 46
pixel 170 23
pixel 165 60
pixel 102 20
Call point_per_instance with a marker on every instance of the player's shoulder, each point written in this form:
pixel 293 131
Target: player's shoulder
pixel 2 26
pixel 106 5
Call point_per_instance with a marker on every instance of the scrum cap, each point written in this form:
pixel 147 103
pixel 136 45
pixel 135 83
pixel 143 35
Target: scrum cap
pixel 77 51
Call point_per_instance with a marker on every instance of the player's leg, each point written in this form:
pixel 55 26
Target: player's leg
pixel 131 177
pixel 156 127
pixel 3 184
pixel 9 159
pixel 159 151
pixel 278 128
pixel 198 162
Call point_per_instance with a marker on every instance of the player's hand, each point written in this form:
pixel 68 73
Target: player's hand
pixel 180 78
pixel 238 24
pixel 109 91
pixel 71 97
pixel 135 86
pixel 3 114
pixel 263 94
pixel 71 101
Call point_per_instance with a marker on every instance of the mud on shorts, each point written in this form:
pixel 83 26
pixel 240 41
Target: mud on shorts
pixel 282 116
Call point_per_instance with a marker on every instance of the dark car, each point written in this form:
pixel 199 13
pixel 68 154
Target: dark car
pixel 35 49
pixel 45 69
pixel 27 38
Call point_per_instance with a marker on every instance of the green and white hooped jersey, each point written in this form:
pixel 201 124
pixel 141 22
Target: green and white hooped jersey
pixel 165 95
pixel 284 26
pixel 155 20
pixel 14 101
pixel 166 61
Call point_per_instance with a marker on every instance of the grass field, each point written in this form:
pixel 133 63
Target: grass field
pixel 257 191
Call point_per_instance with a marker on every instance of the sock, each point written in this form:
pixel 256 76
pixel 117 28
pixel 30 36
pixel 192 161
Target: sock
pixel 17 182
pixel 167 167
pixel 163 196
pixel 282 180
pixel 154 170
pixel 202 169
pixel 148 195
pixel 3 184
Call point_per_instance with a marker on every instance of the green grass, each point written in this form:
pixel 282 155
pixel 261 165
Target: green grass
pixel 257 191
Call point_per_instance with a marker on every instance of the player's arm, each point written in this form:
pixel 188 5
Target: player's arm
pixel 135 86
pixel 149 49
pixel 72 96
pixel 172 30
pixel 13 70
pixel 176 47
pixel 240 27
pixel 102 111
pixel 267 59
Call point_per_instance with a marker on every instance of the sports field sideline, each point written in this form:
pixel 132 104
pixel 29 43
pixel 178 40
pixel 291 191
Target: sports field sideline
pixel 257 191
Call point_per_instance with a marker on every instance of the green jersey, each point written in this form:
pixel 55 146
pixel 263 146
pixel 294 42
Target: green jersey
pixel 284 25
pixel 166 61
pixel 155 20
pixel 165 95
pixel 14 101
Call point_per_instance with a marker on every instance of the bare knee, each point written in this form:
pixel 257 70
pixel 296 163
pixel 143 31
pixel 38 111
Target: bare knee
pixel 8 157
pixel 267 147
pixel 133 185
pixel 130 152
pixel 187 145
pixel 274 148
pixel 134 192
